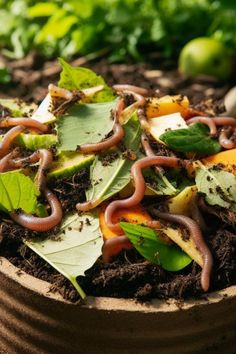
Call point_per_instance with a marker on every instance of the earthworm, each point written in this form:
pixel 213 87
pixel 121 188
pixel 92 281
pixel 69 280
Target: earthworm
pixel 45 156
pixel 213 122
pixel 224 121
pixel 204 120
pixel 139 185
pixel 149 152
pixel 195 212
pixel 139 99
pixel 118 134
pixel 46 159
pixel 126 87
pixel 200 243
pixel 41 224
pixel 26 122
pixel 7 162
pixel 8 139
pixel 142 119
pixel 114 246
pixel 224 138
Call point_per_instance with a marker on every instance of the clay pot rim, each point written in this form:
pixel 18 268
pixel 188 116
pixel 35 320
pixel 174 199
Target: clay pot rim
pixel 43 289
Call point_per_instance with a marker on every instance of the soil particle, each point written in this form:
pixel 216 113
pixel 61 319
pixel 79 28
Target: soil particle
pixel 71 190
pixel 32 75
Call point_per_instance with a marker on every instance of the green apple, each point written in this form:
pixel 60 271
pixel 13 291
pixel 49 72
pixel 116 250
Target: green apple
pixel 205 56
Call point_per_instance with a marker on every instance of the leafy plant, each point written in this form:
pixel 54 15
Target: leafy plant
pixel 153 248
pixel 126 28
pixel 193 139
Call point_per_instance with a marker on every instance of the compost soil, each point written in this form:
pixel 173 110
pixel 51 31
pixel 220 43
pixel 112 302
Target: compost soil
pixel 129 275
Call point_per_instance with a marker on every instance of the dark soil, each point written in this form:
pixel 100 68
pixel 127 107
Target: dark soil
pixel 129 275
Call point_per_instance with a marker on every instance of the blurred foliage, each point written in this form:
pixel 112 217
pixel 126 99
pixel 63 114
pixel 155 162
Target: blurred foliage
pixel 127 28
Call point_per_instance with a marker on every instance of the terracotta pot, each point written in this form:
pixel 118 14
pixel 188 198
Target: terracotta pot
pixel 34 320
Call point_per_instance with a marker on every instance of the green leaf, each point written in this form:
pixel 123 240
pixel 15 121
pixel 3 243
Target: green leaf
pixel 158 184
pixel 17 191
pixel 42 9
pixel 107 180
pixel 85 123
pixel 58 25
pixel 77 248
pixel 218 186
pixel 194 139
pixel 72 78
pixel 17 107
pixel 5 76
pixel 150 246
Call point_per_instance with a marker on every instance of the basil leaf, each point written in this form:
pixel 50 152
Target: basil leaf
pixel 81 78
pixel 85 123
pixel 78 248
pixel 109 179
pixel 150 246
pixel 194 139
pixel 218 186
pixel 17 191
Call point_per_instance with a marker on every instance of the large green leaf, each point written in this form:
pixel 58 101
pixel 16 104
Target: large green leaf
pixel 109 179
pixel 150 246
pixel 85 123
pixel 81 78
pixel 77 249
pixel 17 191
pixel 193 139
pixel 218 186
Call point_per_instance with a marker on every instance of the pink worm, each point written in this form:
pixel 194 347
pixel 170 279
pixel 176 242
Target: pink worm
pixel 139 184
pixel 38 224
pixel 199 241
pixel 8 139
pixel 26 122
pixel 118 134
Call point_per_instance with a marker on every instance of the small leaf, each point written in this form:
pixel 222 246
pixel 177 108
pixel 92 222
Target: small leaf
pixel 77 249
pixel 158 184
pixel 81 78
pixel 218 186
pixel 85 123
pixel 17 191
pixel 150 246
pixel 194 139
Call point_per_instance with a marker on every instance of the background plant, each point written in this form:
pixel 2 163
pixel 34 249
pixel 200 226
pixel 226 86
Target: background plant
pixel 125 28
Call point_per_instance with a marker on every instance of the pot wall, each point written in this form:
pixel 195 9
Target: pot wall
pixel 33 320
